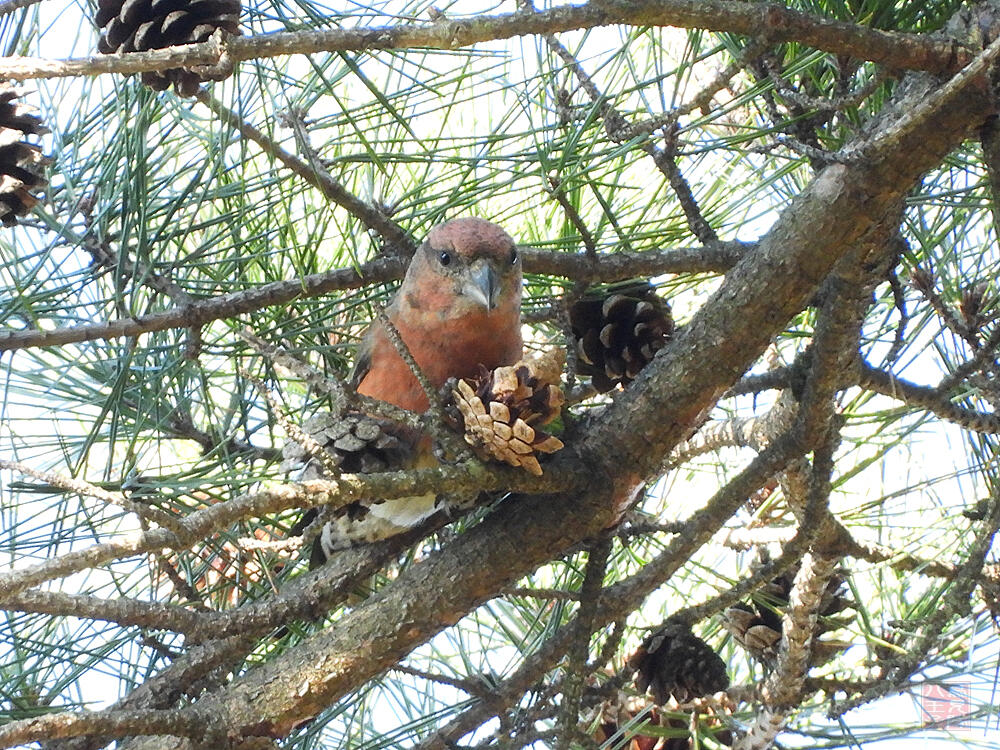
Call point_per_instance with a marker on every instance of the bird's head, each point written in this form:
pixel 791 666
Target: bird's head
pixel 466 265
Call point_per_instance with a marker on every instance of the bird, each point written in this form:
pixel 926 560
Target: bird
pixel 458 309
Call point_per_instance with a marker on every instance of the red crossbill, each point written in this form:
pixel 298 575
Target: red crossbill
pixel 458 308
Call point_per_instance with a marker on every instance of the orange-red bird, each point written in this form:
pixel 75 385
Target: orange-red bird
pixel 459 307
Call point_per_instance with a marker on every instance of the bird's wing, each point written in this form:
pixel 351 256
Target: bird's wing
pixel 362 358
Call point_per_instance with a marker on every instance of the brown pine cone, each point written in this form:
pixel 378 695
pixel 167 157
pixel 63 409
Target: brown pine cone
pixel 502 411
pixel 758 626
pixel 141 25
pixel 21 163
pixel 673 661
pixel 618 330
pixel 353 443
pixel 628 722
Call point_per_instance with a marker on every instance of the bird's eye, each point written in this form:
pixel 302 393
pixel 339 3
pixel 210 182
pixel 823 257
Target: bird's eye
pixel 445 258
pixel 513 257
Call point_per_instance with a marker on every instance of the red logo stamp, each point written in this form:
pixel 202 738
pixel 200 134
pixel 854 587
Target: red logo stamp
pixel 946 706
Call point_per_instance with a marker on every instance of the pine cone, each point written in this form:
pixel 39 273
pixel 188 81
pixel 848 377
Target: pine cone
pixel 618 332
pixel 354 443
pixel 502 410
pixel 628 722
pixel 21 162
pixel 758 628
pixel 141 25
pixel 673 661
pixel 358 444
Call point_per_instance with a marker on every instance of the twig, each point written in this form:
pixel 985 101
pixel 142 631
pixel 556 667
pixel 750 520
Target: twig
pixel 956 601
pixel 102 255
pixel 666 162
pixel 312 448
pixel 81 487
pixel 315 174
pixel 576 667
pixel 437 424
pixel 181 425
pixel 945 311
pixel 928 398
pixel 703 98
pixel 610 647
pixel 477 688
pixel 549 594
pixel 181 586
pixel 617 129
pixel 984 357
pixel 557 191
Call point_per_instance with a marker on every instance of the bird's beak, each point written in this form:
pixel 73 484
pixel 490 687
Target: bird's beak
pixel 483 284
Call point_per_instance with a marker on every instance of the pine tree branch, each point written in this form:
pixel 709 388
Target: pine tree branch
pixel 928 398
pixel 893 49
pixel 71 484
pixel 607 267
pixel 337 492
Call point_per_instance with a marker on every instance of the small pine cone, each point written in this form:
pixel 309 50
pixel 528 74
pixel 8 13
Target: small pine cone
pixel 141 25
pixel 758 628
pixel 354 443
pixel 971 305
pixel 751 632
pixel 922 280
pixel 617 334
pixel 673 661
pixel 502 411
pixel 21 163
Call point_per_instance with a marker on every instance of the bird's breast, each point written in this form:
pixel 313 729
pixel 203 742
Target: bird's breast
pixel 443 347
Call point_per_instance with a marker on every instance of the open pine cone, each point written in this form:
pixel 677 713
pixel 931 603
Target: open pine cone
pixel 503 409
pixel 21 163
pixel 673 661
pixel 627 722
pixel 141 25
pixel 757 626
pixel 618 329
